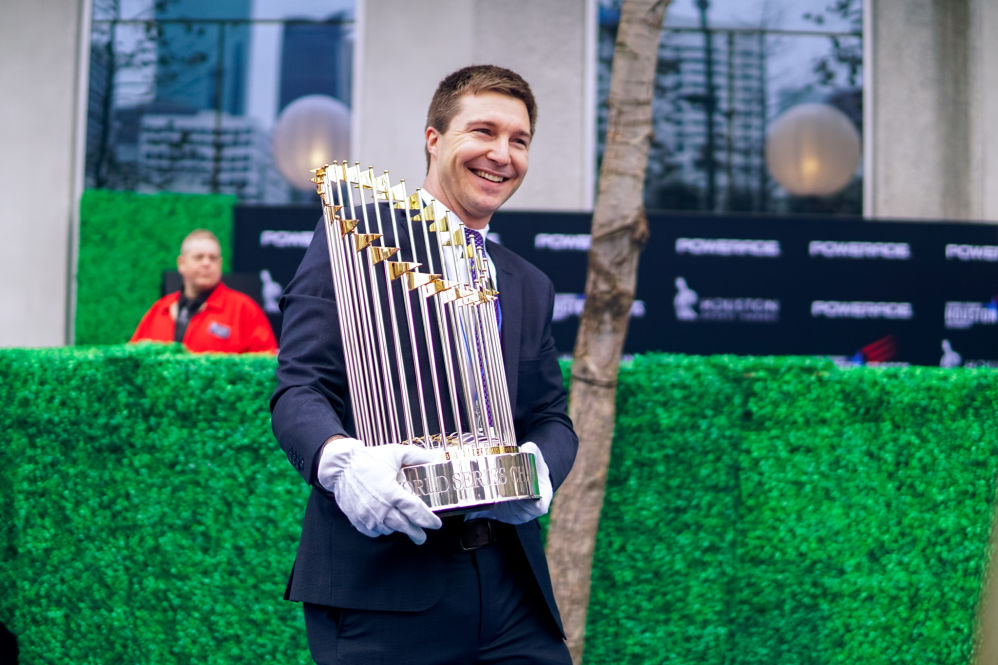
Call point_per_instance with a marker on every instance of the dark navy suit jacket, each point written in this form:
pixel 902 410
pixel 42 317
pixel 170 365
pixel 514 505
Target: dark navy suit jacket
pixel 338 566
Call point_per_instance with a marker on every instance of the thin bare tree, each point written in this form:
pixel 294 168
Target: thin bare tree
pixel 619 231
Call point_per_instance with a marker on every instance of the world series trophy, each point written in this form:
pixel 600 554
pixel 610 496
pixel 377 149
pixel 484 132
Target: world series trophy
pixel 420 320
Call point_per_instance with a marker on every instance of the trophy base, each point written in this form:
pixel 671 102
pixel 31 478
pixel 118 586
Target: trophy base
pixel 471 483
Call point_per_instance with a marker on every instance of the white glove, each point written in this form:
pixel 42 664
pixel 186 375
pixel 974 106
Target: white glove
pixel 363 481
pixel 524 510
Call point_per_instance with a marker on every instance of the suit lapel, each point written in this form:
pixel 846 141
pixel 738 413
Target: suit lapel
pixel 511 302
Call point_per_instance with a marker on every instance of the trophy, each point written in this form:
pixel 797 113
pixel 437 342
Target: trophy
pixel 419 320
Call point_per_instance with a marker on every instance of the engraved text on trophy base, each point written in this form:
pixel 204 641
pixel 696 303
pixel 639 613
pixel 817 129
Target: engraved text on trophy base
pixel 465 483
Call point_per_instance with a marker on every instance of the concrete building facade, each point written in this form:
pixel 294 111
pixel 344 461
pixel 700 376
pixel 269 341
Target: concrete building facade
pixel 44 48
pixel 929 153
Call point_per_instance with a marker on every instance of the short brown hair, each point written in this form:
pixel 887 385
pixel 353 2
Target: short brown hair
pixel 476 79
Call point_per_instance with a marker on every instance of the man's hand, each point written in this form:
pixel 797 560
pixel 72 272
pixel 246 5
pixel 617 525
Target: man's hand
pixel 518 512
pixel 363 480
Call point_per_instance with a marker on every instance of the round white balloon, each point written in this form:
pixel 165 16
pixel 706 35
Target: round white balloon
pixel 311 131
pixel 812 150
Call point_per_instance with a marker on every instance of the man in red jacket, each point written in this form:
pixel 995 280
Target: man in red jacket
pixel 206 315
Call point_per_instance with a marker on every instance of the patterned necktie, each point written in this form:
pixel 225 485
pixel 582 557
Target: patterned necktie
pixel 476 239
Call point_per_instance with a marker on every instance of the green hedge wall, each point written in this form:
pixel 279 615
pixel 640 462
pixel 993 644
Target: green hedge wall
pixel 154 517
pixel 127 240
pixel 764 511
pixel 757 511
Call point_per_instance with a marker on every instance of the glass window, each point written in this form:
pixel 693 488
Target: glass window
pixel 184 94
pixel 727 69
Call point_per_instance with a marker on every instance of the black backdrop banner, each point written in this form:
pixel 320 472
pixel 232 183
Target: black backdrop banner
pixel 861 292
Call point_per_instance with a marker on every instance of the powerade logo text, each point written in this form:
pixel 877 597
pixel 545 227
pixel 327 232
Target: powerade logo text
pixel 567 305
pixel 728 247
pixel 690 306
pixel 285 239
pixel 963 315
pixel 562 242
pixel 861 309
pixel 955 252
pixel 858 249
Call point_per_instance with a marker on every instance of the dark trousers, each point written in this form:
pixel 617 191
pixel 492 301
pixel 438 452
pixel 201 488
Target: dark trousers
pixel 491 612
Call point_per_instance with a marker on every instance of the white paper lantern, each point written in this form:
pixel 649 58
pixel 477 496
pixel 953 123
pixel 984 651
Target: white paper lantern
pixel 812 150
pixel 311 131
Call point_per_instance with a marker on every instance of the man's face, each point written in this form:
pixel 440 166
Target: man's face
pixel 482 157
pixel 200 264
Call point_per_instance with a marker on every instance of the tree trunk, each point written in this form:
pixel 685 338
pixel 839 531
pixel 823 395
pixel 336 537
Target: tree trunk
pixel 618 233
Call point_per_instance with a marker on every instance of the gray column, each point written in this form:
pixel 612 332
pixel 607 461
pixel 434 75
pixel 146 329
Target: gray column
pixel 40 173
pixel 405 47
pixel 931 151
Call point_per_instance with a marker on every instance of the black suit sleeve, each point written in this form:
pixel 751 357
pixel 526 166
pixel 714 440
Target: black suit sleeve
pixel 310 403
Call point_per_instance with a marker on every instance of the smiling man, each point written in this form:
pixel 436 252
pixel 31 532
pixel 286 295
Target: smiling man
pixel 382 578
pixel 479 158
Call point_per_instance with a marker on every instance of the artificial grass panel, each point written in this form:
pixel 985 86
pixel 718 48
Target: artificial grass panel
pixel 868 499
pixel 127 240
pixel 757 511
pixel 783 510
pixel 662 569
pixel 156 518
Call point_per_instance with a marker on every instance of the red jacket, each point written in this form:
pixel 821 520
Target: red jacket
pixel 229 322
